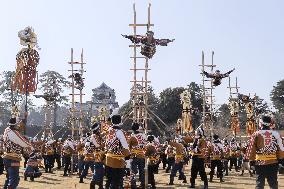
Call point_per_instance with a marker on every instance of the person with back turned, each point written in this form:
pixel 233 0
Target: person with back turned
pixel 14 143
pixel 117 155
pixel 198 156
pixel 266 149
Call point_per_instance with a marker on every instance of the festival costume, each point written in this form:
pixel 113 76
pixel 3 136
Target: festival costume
pixel 138 157
pixel 217 76
pixel 80 149
pixel 179 162
pixel 57 154
pixel 117 155
pixel 234 155
pixel 245 163
pixel 99 169
pixel 198 156
pixel 49 157
pixel 89 159
pixel 163 155
pixel 148 43
pixel 170 157
pixel 266 148
pixel 14 143
pixel 67 151
pixel 32 169
pixel 152 158
pixel 216 151
pixel 226 158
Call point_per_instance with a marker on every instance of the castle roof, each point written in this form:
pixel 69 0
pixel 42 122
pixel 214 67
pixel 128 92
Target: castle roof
pixel 103 86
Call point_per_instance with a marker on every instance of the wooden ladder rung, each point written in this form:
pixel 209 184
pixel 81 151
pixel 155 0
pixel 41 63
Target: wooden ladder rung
pixel 138 57
pixel 139 93
pixel 134 45
pixel 76 63
pixel 140 69
pixel 141 81
pixel 141 24
pixel 208 65
pixel 77 70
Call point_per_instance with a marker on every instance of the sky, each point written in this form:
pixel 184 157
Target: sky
pixel 246 35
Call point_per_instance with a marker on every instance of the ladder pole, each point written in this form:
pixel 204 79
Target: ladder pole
pixel 211 96
pixel 134 89
pixel 203 86
pixel 81 95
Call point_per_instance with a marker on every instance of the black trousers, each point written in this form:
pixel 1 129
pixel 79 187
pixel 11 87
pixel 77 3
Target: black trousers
pixel 219 165
pixel 177 168
pixel 225 166
pixel 233 162
pixel 49 162
pixel 58 160
pixel 1 166
pixel 171 162
pixel 164 160
pixel 198 167
pixel 114 178
pixel 268 172
pixel 67 164
pixel 26 161
pixel 151 178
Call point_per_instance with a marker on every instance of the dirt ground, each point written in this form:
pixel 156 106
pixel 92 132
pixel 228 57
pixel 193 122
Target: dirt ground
pixel 57 181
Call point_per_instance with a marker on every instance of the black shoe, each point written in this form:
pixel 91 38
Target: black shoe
pixel 81 180
pixel 25 177
pixel 65 175
pixel 32 178
pixel 184 181
pixel 221 180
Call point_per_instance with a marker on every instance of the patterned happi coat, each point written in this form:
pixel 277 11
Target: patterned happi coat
pixel 116 147
pixel 14 143
pixel 139 150
pixel 265 147
pixel 216 151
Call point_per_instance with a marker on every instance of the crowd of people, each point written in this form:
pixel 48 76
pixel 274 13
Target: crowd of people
pixel 118 159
